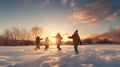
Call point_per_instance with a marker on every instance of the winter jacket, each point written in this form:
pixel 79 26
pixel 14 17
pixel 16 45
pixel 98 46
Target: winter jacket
pixel 58 39
pixel 47 41
pixel 38 40
pixel 76 39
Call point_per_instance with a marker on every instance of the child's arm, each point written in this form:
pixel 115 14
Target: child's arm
pixel 41 38
pixel 70 37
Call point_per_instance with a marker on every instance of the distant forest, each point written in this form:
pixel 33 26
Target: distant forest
pixel 23 37
pixel 17 37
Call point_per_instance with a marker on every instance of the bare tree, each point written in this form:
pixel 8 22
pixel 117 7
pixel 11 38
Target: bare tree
pixel 36 31
pixel 7 35
pixel 16 35
pixel 25 35
pixel 1 41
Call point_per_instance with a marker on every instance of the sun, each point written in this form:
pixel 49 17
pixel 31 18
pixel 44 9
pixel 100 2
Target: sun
pixel 53 40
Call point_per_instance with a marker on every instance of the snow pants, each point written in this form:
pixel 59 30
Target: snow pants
pixel 58 47
pixel 76 49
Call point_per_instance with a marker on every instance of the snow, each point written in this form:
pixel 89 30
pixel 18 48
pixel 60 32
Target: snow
pixel 89 56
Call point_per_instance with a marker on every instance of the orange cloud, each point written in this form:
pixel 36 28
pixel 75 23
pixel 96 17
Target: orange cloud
pixel 113 17
pixel 64 1
pixel 98 11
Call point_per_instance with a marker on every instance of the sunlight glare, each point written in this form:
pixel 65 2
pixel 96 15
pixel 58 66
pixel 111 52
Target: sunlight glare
pixel 53 40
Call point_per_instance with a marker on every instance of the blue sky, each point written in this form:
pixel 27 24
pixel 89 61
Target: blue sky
pixel 64 16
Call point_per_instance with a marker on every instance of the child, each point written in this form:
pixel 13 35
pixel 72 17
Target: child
pixel 58 41
pixel 38 39
pixel 76 41
pixel 47 43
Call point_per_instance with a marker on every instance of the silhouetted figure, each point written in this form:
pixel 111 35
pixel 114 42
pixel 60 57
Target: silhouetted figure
pixel 38 39
pixel 58 41
pixel 47 41
pixel 76 41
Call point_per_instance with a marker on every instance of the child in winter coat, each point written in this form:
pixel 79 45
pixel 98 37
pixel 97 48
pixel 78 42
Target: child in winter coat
pixel 47 41
pixel 58 41
pixel 38 39
pixel 76 41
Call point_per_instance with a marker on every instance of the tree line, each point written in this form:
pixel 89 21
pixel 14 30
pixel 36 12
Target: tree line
pixel 15 36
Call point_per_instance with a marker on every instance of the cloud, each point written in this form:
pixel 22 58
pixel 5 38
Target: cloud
pixel 64 1
pixel 98 11
pixel 72 3
pixel 113 17
pixel 113 35
pixel 95 25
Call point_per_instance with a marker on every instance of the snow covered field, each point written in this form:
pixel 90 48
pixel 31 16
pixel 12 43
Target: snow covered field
pixel 89 56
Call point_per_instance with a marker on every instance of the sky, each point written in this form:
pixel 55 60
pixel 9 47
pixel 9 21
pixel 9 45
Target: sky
pixel 64 16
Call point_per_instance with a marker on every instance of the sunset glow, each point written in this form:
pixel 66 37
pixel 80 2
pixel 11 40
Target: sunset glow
pixel 64 16
pixel 53 40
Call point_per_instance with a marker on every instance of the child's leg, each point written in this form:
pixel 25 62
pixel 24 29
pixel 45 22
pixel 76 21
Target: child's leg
pixel 58 47
pixel 45 47
pixel 76 48
pixel 38 47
